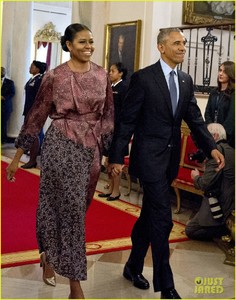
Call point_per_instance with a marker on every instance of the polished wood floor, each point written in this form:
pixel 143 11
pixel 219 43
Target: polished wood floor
pixel 198 267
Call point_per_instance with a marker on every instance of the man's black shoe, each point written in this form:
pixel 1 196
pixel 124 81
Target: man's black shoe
pixel 138 280
pixel 170 294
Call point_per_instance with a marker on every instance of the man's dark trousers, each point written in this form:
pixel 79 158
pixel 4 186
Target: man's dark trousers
pixel 153 227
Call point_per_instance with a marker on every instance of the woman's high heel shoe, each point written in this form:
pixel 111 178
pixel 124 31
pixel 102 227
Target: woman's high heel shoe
pixel 47 270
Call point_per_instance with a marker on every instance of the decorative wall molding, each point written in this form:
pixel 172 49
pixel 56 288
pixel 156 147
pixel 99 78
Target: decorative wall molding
pixel 47 34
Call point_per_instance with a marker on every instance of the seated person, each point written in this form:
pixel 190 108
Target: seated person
pixel 209 222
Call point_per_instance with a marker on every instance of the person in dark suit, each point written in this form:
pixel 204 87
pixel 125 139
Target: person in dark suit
pixel 37 69
pixel 117 74
pixel 7 93
pixel 153 114
pixel 219 192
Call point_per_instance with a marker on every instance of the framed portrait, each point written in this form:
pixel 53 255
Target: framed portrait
pixel 208 12
pixel 122 44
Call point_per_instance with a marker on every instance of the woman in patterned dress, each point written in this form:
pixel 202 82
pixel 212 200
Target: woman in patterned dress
pixel 77 96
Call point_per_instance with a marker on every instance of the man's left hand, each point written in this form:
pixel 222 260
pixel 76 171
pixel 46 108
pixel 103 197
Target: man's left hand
pixel 219 158
pixel 194 173
pixel 116 169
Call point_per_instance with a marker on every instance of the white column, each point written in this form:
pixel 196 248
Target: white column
pixel 16 54
pixel 94 15
pixel 75 15
pixel 99 18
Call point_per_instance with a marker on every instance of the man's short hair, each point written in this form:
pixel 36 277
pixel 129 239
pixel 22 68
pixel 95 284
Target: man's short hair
pixel 165 32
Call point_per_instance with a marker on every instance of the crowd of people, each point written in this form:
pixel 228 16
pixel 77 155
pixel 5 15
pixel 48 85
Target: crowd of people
pixel 94 113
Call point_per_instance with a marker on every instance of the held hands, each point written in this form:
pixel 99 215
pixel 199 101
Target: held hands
pixel 115 169
pixel 219 158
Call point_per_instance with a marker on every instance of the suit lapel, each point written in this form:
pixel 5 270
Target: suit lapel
pixel 161 81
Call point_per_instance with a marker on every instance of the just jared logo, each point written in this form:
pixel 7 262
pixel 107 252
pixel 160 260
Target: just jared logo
pixel 208 285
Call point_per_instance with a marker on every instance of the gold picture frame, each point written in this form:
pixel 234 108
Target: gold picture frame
pixel 208 12
pixel 128 36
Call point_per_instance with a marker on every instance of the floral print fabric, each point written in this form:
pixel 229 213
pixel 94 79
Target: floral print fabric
pixel 82 112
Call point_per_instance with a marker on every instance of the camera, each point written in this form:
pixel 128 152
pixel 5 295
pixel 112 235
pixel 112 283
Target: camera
pixel 199 156
pixel 214 204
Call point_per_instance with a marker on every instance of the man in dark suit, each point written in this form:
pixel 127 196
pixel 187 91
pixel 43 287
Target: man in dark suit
pixel 149 115
pixel 7 93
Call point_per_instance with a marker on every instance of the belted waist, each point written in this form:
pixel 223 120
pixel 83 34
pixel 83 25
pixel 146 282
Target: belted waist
pixel 93 116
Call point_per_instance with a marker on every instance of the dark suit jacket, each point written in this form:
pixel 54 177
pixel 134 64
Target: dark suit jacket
pixel 31 90
pixel 7 91
pixel 225 107
pixel 118 95
pixel 147 113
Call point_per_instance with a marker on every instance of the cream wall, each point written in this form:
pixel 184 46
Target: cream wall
pixel 153 14
pixel 15 51
pixel 44 13
pixel 20 22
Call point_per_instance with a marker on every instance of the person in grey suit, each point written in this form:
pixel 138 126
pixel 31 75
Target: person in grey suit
pixel 149 115
pixel 209 221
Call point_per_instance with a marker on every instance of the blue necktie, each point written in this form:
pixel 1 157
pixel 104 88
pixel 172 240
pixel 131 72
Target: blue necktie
pixel 173 91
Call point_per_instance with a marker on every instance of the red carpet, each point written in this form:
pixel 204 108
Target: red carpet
pixel 108 224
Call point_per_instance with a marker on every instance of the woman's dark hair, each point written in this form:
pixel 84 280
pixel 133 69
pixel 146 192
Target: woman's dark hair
pixel 40 65
pixel 230 72
pixel 70 33
pixel 121 68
